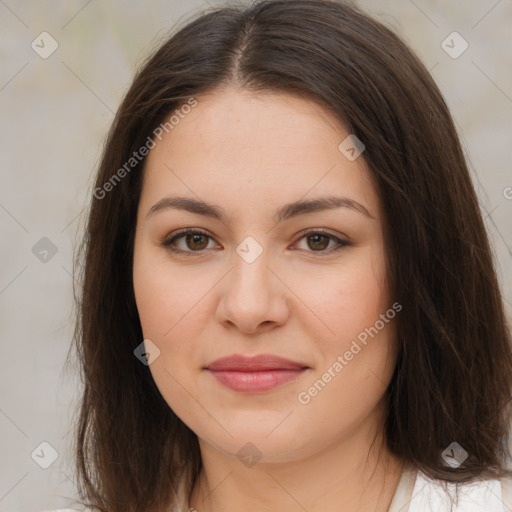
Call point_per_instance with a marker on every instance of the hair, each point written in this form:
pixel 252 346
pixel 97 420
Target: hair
pixel 453 374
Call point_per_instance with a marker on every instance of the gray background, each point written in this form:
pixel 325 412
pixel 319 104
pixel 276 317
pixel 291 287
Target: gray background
pixel 55 113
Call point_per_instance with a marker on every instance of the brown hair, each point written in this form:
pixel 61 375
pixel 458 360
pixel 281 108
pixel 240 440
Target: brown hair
pixel 454 372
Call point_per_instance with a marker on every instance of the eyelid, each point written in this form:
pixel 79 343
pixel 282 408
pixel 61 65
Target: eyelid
pixel 341 242
pixel 167 241
pixel 321 231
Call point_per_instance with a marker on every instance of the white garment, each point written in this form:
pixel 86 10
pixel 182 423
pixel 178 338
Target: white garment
pixel 418 493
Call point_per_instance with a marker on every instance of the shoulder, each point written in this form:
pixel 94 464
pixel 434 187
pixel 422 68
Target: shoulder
pixel 489 495
pixel 506 490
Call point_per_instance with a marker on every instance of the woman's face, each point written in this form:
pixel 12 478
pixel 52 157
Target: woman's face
pixel 259 279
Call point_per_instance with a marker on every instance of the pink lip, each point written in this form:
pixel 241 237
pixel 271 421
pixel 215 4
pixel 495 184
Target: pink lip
pixel 255 374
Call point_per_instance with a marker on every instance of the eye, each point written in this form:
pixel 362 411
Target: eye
pixel 194 241
pixel 318 240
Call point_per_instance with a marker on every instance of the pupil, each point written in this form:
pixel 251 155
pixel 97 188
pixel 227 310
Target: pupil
pixel 196 239
pixel 316 240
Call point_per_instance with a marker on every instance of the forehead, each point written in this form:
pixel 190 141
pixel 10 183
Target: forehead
pixel 257 146
pixel 250 122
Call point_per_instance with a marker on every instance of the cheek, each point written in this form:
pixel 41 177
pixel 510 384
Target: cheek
pixel 347 299
pixel 170 311
pixel 357 361
pixel 168 300
pixel 356 306
pixel 173 309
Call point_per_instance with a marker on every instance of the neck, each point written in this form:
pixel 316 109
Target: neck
pixel 356 474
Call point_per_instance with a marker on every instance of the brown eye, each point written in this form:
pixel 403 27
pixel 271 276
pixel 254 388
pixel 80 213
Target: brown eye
pixel 196 241
pixel 193 242
pixel 318 242
pixel 190 242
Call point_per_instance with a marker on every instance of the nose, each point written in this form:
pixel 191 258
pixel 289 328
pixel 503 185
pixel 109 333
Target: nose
pixel 253 298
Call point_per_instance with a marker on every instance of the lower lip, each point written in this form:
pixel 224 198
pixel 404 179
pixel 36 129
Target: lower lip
pixel 257 381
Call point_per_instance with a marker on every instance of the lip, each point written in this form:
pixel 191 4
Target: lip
pixel 255 374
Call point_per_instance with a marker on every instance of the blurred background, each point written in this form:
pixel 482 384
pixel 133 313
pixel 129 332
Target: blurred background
pixel 65 67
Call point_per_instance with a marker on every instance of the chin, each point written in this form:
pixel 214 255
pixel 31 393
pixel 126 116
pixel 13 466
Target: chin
pixel 267 445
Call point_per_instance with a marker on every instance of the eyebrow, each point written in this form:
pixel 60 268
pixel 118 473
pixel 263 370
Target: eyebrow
pixel 284 213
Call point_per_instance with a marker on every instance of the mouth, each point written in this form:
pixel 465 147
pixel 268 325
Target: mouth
pixel 255 374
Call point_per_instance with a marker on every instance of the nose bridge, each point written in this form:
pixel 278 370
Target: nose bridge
pixel 250 267
pixel 252 295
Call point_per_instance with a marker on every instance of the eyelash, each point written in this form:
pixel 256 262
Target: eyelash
pixel 168 242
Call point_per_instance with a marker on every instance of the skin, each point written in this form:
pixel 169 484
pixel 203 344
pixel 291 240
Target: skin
pixel 250 154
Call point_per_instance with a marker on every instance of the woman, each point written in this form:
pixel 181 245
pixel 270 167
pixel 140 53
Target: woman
pixel 289 300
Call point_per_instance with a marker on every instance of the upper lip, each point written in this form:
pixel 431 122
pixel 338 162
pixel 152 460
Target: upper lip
pixel 260 362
